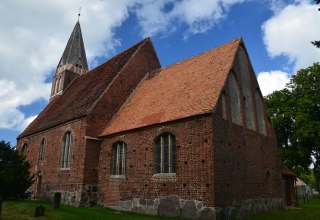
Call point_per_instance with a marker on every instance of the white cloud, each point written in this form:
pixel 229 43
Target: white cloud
pixel 165 16
pixel 272 81
pixel 278 5
pixel 290 31
pixel 26 122
pixel 34 33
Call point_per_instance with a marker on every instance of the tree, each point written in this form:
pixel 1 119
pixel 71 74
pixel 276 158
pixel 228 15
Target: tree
pixel 310 178
pixel 316 43
pixel 15 176
pixel 295 113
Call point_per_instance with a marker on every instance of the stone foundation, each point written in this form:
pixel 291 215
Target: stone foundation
pixel 89 196
pixel 86 195
pixel 173 206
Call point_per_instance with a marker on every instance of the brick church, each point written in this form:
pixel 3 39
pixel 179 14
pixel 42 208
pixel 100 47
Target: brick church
pixel 140 137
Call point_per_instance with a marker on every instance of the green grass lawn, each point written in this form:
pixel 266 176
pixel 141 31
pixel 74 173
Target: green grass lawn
pixel 24 210
pixel 307 211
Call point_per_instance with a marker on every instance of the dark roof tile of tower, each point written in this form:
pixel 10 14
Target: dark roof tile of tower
pixel 80 96
pixel 188 88
pixel 75 49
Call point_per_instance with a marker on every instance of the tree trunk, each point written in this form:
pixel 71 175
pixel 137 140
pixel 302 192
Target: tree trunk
pixel 1 200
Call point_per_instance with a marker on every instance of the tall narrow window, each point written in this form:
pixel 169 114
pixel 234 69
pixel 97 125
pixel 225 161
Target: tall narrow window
pixel 119 158
pixel 165 154
pixel 224 108
pixel 42 149
pixel 60 84
pixel 234 100
pixel 24 150
pixel 66 150
pixel 246 87
pixel 260 113
pixel 56 86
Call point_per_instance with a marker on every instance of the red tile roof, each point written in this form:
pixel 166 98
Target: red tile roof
pixel 190 87
pixel 285 170
pixel 80 96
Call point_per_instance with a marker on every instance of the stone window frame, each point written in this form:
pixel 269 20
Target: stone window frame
pixel 42 149
pixel 24 149
pixel 66 151
pixel 118 159
pixel 165 155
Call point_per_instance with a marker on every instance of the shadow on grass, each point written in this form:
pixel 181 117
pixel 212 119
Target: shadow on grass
pixel 24 210
pixel 306 211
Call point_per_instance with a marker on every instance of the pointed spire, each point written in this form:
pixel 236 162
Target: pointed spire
pixel 74 53
pixel 72 64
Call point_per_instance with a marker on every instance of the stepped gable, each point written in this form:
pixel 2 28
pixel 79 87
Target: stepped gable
pixel 188 88
pixel 81 94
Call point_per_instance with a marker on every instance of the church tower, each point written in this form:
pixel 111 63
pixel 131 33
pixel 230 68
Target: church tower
pixel 72 64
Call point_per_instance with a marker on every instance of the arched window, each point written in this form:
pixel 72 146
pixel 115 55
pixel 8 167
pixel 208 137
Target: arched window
pixel 119 158
pixel 260 113
pixel 24 150
pixel 56 86
pixel 42 149
pixel 234 100
pixel 79 63
pixel 165 154
pixel 60 84
pixel 246 87
pixel 66 150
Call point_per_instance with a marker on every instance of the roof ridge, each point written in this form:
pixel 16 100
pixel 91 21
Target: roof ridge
pixel 29 125
pixel 124 104
pixel 37 125
pixel 205 52
pixel 117 75
pixel 230 68
pixel 86 74
pixel 139 111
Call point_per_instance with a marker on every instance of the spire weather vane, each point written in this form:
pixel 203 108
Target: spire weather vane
pixel 79 13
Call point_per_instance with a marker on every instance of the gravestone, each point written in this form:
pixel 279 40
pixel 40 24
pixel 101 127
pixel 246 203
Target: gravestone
pixel 56 200
pixel 39 211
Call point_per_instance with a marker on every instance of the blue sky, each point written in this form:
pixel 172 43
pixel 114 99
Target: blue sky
pixel 277 34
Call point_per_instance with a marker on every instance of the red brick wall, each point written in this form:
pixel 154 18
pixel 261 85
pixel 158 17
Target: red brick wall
pixel 92 151
pixel 244 157
pixel 194 176
pixel 143 61
pixel 52 177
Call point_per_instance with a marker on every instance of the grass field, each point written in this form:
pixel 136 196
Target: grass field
pixel 24 210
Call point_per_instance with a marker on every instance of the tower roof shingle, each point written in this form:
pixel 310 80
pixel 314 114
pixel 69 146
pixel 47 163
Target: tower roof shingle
pixel 75 49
